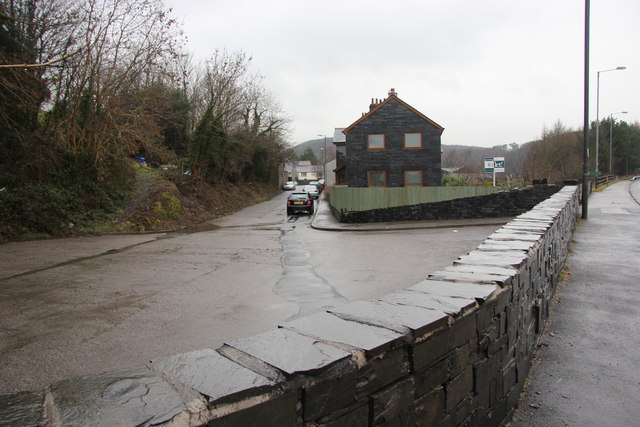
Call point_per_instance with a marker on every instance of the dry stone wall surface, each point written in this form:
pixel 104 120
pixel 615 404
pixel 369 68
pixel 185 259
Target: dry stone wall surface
pixel 501 204
pixel 452 350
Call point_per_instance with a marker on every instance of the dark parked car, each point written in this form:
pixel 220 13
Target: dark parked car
pixel 313 191
pixel 299 202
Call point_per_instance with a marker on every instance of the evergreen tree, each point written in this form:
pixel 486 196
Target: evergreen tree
pixel 208 146
pixel 308 155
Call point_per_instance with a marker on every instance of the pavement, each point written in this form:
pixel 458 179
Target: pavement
pixel 587 369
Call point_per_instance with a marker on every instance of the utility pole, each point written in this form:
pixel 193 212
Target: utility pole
pixel 324 163
pixel 585 130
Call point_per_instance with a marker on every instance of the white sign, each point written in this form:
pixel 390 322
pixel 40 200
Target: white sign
pixel 498 164
pixel 488 164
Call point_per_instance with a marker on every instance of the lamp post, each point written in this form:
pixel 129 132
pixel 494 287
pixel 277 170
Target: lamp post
pixel 598 108
pixel 611 136
pixel 324 162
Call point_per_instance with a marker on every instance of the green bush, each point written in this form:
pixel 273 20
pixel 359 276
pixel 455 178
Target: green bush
pixel 452 180
pixel 40 210
pixel 37 209
pixel 168 207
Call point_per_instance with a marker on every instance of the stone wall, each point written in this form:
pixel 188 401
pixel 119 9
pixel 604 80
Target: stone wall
pixel 453 350
pixel 502 204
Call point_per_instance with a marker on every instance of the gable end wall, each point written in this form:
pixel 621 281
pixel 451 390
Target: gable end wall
pixel 393 120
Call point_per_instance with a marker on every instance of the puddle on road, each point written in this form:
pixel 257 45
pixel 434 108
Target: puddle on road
pixel 299 283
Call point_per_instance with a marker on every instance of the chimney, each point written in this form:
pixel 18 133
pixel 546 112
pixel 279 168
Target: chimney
pixel 392 92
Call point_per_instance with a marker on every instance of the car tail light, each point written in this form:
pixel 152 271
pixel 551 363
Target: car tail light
pixel 309 202
pixel 288 202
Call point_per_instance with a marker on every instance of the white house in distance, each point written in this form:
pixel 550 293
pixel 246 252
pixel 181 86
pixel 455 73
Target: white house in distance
pixel 305 171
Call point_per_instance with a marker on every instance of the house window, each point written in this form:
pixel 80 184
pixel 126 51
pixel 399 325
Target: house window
pixel 377 178
pixel 375 142
pixel 413 179
pixel 412 140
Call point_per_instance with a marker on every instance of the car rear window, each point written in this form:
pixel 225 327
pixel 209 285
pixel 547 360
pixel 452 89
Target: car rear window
pixel 298 196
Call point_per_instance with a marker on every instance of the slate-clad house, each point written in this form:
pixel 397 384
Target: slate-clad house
pixel 393 145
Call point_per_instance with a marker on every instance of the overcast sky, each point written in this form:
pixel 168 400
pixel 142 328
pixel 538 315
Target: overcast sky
pixel 490 72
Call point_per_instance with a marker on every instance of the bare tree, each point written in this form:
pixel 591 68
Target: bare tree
pixel 124 45
pixel 556 156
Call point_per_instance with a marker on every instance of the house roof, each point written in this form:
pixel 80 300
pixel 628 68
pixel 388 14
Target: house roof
pixel 338 136
pixel 393 97
pixel 310 168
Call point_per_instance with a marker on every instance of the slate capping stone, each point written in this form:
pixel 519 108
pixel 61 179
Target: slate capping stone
pixel 124 397
pixel 412 322
pixel 505 245
pixel 290 352
pixel 506 259
pixel 252 363
pixel 346 334
pixel 454 275
pixel 516 236
pixel 452 306
pixel 481 292
pixel 213 375
pixel 483 269
pixel 22 408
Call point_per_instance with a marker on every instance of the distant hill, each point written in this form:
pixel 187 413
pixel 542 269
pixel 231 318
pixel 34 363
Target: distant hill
pixel 317 146
pixel 469 158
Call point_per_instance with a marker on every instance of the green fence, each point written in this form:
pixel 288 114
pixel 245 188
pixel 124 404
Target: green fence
pixel 350 199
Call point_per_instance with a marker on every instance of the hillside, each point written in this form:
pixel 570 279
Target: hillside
pixel 317 146
pixel 469 158
pixel 158 201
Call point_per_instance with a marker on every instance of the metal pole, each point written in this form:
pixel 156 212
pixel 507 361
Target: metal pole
pixel 597 119
pixel 324 172
pixel 324 164
pixel 585 130
pixel 610 139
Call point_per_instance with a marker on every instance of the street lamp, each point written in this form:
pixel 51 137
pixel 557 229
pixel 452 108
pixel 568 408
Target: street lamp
pixel 324 163
pixel 598 108
pixel 611 136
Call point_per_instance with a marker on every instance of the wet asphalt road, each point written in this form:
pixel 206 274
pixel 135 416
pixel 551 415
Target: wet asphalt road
pixel 76 307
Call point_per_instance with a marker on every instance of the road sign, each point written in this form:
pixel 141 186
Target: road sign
pixel 498 164
pixel 488 164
